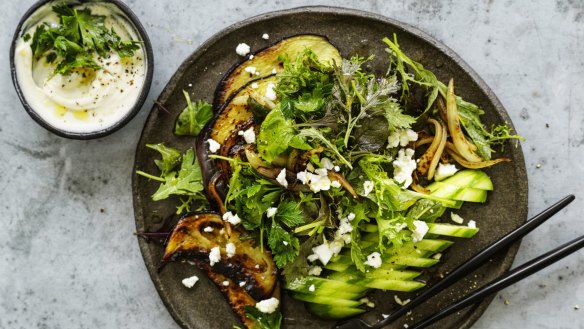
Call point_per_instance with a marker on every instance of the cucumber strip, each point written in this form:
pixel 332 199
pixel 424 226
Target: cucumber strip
pixel 452 230
pixel 458 193
pixel 379 273
pixel 336 293
pixel 322 283
pixel 395 285
pixel 470 178
pixel 412 261
pixel 333 312
pixel 318 298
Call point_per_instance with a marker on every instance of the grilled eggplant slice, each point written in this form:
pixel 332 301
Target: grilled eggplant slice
pixel 265 61
pixel 249 264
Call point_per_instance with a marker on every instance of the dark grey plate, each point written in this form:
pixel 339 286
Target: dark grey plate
pixel 353 32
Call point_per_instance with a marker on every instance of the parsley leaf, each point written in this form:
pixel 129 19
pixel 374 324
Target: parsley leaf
pixel 289 214
pixel 264 320
pixel 284 246
pixel 193 118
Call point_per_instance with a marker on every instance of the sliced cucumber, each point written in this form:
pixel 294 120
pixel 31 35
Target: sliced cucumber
pixel 458 193
pixel 324 284
pixel 333 312
pixel 452 230
pixel 470 178
pixel 319 298
pixel 379 273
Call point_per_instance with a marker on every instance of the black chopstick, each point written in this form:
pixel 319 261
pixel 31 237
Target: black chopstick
pixel 506 280
pixel 478 259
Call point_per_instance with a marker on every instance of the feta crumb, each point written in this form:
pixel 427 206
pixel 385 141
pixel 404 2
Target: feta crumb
pixel 225 283
pixel 401 137
pixel 420 231
pixel 268 305
pixel 274 71
pixel 254 85
pixel 249 135
pixel 399 301
pixel 190 84
pixel 403 167
pixel 281 178
pixel 251 69
pixel 385 316
pixel 242 49
pixel 323 252
pixel 230 249
pixel 312 258
pixel 311 288
pixel 270 92
pixel 337 168
pixel 213 145
pixel 242 283
pixel 310 167
pixel 437 256
pixel 265 36
pixel 214 255
pixel 335 184
pixel 406 325
pixel 327 163
pixel 367 302
pixel 257 266
pixel 318 181
pixel 472 224
pixel 271 212
pixel 367 187
pixel 444 171
pixel 315 270
pixel 250 56
pixel 285 243
pixel 190 282
pixel 374 260
pixel 208 229
pixel 302 177
pixel 456 218
pixel 231 218
pixel 351 216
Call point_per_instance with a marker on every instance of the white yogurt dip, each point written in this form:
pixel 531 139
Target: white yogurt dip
pixel 87 100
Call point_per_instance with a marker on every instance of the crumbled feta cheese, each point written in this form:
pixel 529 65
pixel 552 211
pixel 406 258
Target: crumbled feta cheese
pixel 190 282
pixel 214 255
pixel 251 69
pixel 310 167
pixel 315 270
pixel 270 92
pixel 319 181
pixel 401 137
pixel 281 178
pixel 385 316
pixel 231 218
pixel 367 187
pixel 367 302
pixel 242 49
pixel 327 163
pixel 271 212
pixel 242 283
pixel 335 184
pixel 312 257
pixel 248 135
pixel 208 229
pixel 403 167
pixel 345 226
pixel 268 305
pixel 420 231
pixel 456 218
pixel 230 249
pixel 311 288
pixel 225 283
pixel 274 71
pixel 265 36
pixel 472 224
pixel 250 56
pixel 254 85
pixel 302 177
pixel 285 243
pixel 213 145
pixel 374 260
pixel 444 171
pixel 323 252
pixel 337 245
pixel 257 266
pixel 437 256
pixel 399 301
pixel 351 216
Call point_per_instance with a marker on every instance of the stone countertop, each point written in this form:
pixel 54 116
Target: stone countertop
pixel 68 257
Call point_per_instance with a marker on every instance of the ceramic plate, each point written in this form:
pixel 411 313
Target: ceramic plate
pixel 353 32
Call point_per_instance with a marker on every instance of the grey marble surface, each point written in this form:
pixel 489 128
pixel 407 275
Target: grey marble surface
pixel 68 257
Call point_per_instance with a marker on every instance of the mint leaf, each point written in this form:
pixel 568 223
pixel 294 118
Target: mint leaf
pixel 193 118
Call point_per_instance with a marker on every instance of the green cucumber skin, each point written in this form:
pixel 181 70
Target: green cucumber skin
pixel 457 231
pixel 458 193
pixel 333 312
pixel 470 178
pixel 319 298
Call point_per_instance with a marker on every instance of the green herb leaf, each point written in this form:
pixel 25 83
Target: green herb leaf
pixel 284 245
pixel 289 214
pixel 193 118
pixel 277 134
pixel 187 181
pixel 264 320
pixel 170 157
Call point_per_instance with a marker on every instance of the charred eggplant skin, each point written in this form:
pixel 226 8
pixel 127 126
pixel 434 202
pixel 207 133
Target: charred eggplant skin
pixel 249 264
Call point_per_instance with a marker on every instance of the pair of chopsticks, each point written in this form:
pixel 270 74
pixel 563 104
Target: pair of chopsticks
pixel 500 283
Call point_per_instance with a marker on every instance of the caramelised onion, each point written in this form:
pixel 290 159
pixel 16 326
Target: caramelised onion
pixel 451 149
pixel 464 148
pixel 429 160
pixel 333 176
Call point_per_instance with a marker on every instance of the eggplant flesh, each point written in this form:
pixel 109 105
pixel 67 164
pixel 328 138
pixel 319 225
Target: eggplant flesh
pixel 267 60
pixel 249 264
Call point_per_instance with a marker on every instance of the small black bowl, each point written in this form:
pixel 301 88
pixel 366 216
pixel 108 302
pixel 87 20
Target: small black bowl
pixel 147 47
